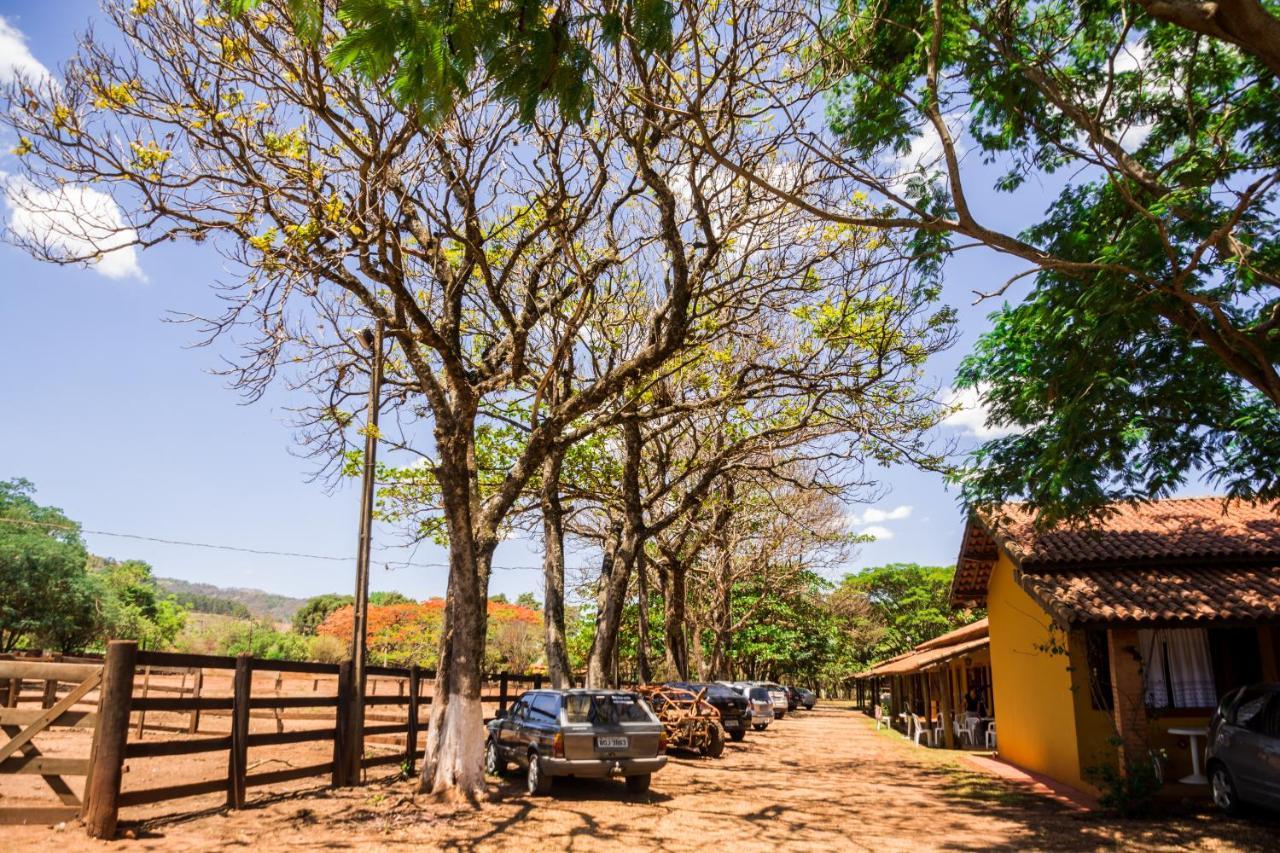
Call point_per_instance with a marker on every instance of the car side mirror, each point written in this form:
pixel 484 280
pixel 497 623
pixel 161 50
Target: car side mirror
pixel 500 714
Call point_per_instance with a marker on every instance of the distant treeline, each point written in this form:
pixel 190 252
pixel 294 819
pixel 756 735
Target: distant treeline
pixel 257 603
pixel 212 604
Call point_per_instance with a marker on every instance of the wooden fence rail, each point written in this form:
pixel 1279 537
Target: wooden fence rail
pixel 125 670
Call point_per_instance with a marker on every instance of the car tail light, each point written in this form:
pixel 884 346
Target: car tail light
pixel 557 746
pixel 662 741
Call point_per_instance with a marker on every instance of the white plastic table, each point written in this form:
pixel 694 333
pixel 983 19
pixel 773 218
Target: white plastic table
pixel 1196 777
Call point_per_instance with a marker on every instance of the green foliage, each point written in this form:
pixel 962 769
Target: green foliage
pixel 908 604
pixel 1147 350
pixel 213 604
pixel 259 603
pixel 133 607
pixel 426 53
pixel 786 634
pixel 312 614
pixel 48 596
pixel 390 597
pixel 1131 793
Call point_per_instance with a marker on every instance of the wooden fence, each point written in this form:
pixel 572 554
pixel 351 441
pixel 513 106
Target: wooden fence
pixel 126 683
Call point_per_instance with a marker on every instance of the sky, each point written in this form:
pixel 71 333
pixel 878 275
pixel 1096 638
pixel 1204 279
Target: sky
pixel 114 414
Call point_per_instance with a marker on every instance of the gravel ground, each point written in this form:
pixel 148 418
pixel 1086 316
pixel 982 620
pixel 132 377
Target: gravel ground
pixel 815 781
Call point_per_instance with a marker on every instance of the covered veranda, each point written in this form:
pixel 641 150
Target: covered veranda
pixel 937 694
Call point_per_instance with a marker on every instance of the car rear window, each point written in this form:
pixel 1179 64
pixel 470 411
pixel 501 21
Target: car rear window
pixel 759 694
pixel 547 705
pixel 604 708
pixel 718 690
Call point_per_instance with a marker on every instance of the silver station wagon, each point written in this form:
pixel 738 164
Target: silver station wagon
pixel 583 733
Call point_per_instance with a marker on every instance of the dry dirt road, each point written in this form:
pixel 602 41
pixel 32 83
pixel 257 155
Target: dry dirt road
pixel 822 780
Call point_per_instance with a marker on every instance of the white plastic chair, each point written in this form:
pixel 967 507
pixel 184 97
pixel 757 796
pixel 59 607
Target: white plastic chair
pixel 939 731
pixel 991 735
pixel 961 733
pixel 921 731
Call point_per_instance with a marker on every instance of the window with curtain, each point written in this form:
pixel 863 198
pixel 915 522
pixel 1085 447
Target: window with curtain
pixel 1177 668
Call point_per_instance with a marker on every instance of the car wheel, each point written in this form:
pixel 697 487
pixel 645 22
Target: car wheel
pixel 715 743
pixel 778 715
pixel 1224 789
pixel 759 728
pixel 539 783
pixel 494 764
pixel 639 784
pixel 738 735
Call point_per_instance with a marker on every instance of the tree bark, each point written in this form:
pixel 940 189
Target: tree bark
pixel 629 535
pixel 453 766
pixel 553 572
pixel 674 618
pixel 1245 23
pixel 644 674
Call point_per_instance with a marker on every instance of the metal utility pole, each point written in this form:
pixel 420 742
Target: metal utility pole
pixel 372 339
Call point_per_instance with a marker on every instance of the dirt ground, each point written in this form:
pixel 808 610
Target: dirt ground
pixel 814 781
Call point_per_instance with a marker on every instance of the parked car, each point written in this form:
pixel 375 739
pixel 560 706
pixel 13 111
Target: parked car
pixel 1243 753
pixel 807 698
pixel 776 694
pixel 793 698
pixel 584 733
pixel 735 714
pixel 761 706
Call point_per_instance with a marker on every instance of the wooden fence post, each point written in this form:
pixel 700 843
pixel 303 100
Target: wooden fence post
pixel 341 759
pixel 146 687
pixel 537 681
pixel 196 685
pixel 236 769
pixel 502 691
pixel 106 760
pixel 50 687
pixel 411 738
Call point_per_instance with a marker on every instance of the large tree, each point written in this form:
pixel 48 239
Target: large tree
pixel 49 596
pixel 493 246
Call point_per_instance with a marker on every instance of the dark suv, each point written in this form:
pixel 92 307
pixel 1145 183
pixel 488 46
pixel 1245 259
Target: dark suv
pixel 585 733
pixel 1244 748
pixel 735 715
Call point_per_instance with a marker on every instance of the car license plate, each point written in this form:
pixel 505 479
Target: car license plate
pixel 611 743
pixel 731 724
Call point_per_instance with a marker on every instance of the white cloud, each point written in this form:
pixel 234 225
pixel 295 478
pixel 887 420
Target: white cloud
pixel 880 533
pixel 16 60
pixel 73 223
pixel 871 515
pixel 971 416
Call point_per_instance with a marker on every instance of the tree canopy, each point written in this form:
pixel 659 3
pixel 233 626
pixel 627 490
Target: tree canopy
pixel 1147 350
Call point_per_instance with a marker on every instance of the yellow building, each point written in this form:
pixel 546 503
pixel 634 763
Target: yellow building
pixel 1116 634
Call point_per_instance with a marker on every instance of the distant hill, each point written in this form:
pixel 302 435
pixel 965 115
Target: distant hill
pixel 207 598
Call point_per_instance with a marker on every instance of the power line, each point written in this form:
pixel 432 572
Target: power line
pixel 240 549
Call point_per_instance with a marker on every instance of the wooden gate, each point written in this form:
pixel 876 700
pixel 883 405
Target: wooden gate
pixel 20 754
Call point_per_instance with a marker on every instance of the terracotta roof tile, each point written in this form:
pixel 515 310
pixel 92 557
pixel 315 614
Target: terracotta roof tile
pixel 1153 594
pixel 1179 529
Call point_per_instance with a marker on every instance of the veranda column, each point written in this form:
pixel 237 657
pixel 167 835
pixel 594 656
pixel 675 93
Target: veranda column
pixel 1128 695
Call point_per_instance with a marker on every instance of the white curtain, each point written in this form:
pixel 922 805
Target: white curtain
pixel 1176 661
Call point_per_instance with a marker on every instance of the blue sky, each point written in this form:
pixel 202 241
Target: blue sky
pixel 117 419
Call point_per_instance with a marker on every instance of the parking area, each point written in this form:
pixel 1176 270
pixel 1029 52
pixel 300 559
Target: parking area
pixel 817 780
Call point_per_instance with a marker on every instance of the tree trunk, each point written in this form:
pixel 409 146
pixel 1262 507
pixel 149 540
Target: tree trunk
pixel 643 673
pixel 553 572
pixel 629 536
pixel 615 575
pixel 453 766
pixel 674 618
pixel 696 662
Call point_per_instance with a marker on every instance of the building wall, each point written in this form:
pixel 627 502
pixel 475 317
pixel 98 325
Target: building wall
pixel 1034 701
pixel 1095 727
